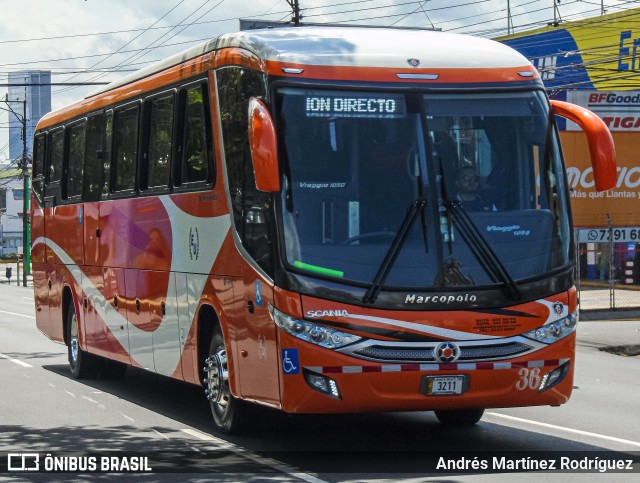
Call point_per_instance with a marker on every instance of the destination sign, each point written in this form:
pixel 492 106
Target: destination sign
pixel 357 105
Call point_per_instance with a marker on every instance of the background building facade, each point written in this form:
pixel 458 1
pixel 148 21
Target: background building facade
pixel 35 87
pixel 11 207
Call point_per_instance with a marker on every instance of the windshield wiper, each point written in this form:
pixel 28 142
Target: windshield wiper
pixel 482 249
pixel 392 254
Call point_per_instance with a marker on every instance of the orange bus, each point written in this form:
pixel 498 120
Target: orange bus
pixel 319 220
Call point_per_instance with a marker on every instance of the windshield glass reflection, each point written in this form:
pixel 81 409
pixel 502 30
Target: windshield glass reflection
pixel 356 162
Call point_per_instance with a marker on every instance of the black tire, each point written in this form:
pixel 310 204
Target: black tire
pixel 82 364
pixel 230 415
pixel 460 417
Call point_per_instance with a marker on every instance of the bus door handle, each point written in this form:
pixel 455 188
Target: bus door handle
pixel 250 306
pixel 115 301
pixel 137 306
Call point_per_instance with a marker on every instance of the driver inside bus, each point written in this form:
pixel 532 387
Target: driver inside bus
pixel 467 184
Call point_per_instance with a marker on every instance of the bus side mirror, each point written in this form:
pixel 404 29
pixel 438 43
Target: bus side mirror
pixel 264 147
pixel 601 147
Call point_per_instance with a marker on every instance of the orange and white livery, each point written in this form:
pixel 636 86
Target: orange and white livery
pixel 320 220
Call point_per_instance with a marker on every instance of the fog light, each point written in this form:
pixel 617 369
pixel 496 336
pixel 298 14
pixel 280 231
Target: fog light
pixel 554 377
pixel 322 384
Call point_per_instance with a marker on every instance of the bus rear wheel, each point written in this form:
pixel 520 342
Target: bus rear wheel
pixel 229 413
pixel 459 417
pixel 82 364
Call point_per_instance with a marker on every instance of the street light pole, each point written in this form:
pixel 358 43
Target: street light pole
pixel 26 243
pixel 295 19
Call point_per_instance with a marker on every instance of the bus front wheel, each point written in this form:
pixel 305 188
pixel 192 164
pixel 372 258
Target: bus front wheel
pixel 82 364
pixel 229 414
pixel 459 417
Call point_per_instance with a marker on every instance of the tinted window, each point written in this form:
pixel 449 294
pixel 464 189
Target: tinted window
pixel 196 148
pixel 251 208
pixel 93 161
pixel 126 148
pixel 38 166
pixel 75 160
pixel 56 150
pixel 159 142
pixel 106 157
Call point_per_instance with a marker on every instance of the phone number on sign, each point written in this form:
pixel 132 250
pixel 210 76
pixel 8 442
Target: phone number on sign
pixel 595 235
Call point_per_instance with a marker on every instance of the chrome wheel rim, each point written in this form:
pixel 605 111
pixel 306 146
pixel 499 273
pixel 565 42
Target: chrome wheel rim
pixel 217 382
pixel 74 346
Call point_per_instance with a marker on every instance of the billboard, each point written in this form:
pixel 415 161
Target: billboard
pixel 595 63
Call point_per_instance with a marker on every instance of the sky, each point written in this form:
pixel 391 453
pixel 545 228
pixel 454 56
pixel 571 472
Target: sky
pixel 101 40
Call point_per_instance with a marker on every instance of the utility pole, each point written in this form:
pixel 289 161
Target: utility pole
pixel 509 19
pixel 26 242
pixel 556 13
pixel 24 166
pixel 295 19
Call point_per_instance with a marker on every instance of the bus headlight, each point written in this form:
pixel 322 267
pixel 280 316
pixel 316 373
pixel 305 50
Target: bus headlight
pixel 313 332
pixel 554 331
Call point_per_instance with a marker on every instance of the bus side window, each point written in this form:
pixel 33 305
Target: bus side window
pixel 106 154
pixel 127 121
pixel 94 155
pixel 38 166
pixel 74 161
pixel 158 142
pixel 53 166
pixel 251 208
pixel 195 143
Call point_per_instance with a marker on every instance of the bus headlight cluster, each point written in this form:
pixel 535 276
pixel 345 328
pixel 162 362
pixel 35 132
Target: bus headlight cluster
pixel 554 331
pixel 312 332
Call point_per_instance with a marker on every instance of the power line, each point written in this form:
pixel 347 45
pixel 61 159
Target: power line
pixel 136 37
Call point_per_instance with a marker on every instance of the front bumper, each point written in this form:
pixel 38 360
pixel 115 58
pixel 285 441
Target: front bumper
pixel 366 386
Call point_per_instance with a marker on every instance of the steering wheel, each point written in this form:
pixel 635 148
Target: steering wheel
pixel 383 235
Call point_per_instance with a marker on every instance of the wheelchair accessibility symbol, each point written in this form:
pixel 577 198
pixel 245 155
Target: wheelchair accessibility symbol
pixel 290 364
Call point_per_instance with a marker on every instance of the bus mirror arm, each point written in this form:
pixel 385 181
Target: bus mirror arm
pixel 601 147
pixel 264 147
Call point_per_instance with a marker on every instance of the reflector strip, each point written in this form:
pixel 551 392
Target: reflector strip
pixel 466 366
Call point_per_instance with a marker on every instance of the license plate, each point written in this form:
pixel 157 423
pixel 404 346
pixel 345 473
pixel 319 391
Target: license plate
pixel 443 385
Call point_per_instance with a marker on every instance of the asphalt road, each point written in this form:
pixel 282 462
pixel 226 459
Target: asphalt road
pixel 44 411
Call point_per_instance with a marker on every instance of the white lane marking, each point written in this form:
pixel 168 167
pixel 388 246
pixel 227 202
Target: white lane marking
pixel 97 403
pixel 15 361
pixel 568 430
pixel 129 418
pixel 15 313
pixel 70 393
pixel 52 385
pixel 283 468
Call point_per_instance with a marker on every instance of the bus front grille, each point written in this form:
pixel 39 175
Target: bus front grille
pixel 426 352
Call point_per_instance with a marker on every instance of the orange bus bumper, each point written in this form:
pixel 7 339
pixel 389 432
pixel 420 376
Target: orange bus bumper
pixel 365 386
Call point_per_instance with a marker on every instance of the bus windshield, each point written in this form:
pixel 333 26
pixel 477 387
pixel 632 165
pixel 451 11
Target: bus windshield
pixel 474 182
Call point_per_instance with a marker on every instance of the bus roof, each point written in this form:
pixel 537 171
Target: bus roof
pixel 375 47
pixel 351 47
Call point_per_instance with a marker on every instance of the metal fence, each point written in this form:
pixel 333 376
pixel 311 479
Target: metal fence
pixel 608 275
